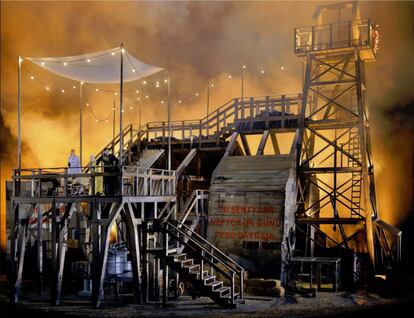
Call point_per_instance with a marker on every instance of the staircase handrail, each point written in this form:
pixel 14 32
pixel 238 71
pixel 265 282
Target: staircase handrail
pixel 210 245
pixel 190 204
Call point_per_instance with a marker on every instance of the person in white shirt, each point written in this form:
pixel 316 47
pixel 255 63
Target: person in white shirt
pixel 74 163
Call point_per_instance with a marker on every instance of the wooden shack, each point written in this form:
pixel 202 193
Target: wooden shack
pixel 252 203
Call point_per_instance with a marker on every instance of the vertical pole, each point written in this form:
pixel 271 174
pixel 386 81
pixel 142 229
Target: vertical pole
pixel 39 250
pixel 208 106
pixel 80 121
pixel 19 140
pixel 121 105
pixel 54 254
pixel 242 84
pixel 113 125
pixel 140 115
pixel 169 120
pixel 364 160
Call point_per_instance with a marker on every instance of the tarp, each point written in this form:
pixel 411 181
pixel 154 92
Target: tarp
pixel 99 67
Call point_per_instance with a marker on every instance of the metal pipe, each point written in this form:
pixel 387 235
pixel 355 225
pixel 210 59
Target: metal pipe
pixel 19 141
pixel 121 105
pixel 208 107
pixel 80 121
pixel 169 120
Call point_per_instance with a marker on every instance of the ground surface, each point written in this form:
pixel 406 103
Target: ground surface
pixel 340 304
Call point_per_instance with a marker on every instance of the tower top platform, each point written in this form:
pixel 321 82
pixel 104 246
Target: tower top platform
pixel 340 37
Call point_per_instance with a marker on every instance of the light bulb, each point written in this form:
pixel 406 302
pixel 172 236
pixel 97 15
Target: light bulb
pixel 87 104
pixel 63 90
pixel 97 89
pixel 123 50
pixel 116 93
pixel 133 70
pixel 146 96
pixel 229 76
pixel 122 111
pixel 137 91
pixel 144 82
pixel 196 94
pixel 113 53
pixel 131 108
pixel 262 72
pixel 82 83
pixel 43 63
pixel 179 101
pixel 106 120
pixel 96 120
pixel 65 64
pixel 162 102
pixel 212 84
pixel 138 98
pixel 113 108
pixel 73 86
pixel 32 77
pixel 244 66
pixel 282 68
pixel 47 88
pixel 88 60
pixel 166 81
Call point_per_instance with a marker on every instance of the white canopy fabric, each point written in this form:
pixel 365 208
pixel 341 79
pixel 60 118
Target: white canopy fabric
pixel 99 67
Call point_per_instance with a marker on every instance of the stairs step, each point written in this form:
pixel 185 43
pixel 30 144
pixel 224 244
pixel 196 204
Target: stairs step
pixel 187 262
pixel 214 285
pixel 223 291
pixel 209 279
pixel 193 269
pixel 178 256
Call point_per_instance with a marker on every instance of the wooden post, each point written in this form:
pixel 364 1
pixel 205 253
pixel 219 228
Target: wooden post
pixel 39 250
pixel 54 254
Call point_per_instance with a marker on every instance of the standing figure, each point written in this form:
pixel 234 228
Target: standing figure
pixel 110 165
pixel 74 163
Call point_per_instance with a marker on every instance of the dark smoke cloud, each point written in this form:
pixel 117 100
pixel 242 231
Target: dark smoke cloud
pixel 197 41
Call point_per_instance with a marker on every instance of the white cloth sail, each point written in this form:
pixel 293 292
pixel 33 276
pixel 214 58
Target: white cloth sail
pixel 99 67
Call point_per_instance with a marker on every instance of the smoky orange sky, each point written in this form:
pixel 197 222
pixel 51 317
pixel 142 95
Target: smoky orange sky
pixel 196 42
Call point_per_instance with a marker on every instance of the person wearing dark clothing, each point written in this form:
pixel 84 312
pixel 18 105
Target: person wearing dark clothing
pixel 110 165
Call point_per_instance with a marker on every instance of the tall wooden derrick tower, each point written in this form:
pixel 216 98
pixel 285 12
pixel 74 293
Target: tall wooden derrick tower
pixel 337 203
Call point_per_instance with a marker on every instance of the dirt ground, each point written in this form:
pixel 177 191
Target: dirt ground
pixel 341 304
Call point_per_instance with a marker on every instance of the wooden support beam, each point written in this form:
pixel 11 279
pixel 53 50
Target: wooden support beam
pixel 98 277
pixel 54 254
pixel 245 145
pixel 185 162
pixel 262 143
pixel 275 143
pixel 134 250
pixel 232 145
pixel 39 250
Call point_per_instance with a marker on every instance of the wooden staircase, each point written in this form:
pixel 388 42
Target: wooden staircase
pixel 211 272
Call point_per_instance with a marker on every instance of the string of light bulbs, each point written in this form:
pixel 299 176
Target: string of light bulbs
pixel 211 83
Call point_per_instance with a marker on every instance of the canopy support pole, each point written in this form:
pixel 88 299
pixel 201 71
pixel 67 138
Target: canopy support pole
pixel 80 121
pixel 121 107
pixel 169 120
pixel 208 107
pixel 19 140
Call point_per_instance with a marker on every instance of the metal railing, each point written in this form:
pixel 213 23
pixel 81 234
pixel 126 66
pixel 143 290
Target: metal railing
pixel 139 181
pixel 223 119
pixel 246 111
pixel 207 253
pixel 357 33
pixel 388 245
pixel 195 203
pixel 58 182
